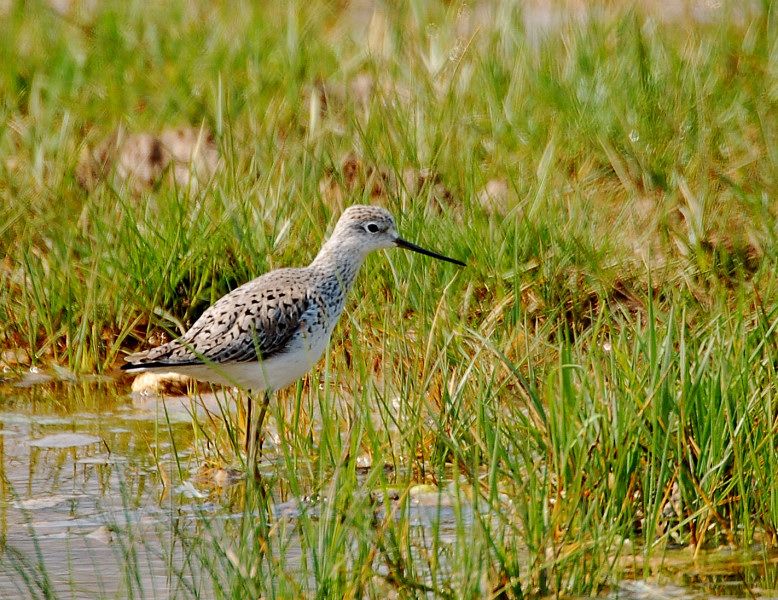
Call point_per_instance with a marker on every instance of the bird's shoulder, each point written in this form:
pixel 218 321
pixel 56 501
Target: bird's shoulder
pixel 281 286
pixel 264 306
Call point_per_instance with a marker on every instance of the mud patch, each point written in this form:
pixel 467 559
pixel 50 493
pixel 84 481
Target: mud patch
pixel 141 160
pixel 355 179
pixel 496 197
pixel 426 185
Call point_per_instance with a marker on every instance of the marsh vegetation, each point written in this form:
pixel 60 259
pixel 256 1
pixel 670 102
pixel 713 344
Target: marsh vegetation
pixel 588 408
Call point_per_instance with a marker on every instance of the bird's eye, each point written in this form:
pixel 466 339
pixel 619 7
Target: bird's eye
pixel 371 228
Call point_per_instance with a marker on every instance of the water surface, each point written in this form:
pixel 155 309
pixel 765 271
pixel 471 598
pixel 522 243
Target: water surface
pixel 107 491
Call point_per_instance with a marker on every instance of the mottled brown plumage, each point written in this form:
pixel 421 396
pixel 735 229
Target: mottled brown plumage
pixel 271 330
pixel 254 321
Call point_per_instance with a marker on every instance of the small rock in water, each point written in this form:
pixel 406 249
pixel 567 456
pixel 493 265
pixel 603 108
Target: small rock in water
pixel 42 502
pixel 14 357
pixel 364 461
pixel 65 440
pixel 64 374
pixel 390 493
pixel 672 508
pixel 188 490
pixel 32 378
pixel 225 477
pixel 432 499
pixel 170 384
pixel 102 459
pixel 645 590
pixel 423 488
pixel 101 534
pixel 429 495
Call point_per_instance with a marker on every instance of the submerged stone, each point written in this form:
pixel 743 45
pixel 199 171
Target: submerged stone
pixel 101 534
pixel 65 440
pixel 43 502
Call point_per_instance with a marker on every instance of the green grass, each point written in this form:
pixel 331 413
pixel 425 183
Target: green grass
pixel 612 338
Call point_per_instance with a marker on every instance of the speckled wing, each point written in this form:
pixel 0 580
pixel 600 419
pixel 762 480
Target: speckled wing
pixel 254 321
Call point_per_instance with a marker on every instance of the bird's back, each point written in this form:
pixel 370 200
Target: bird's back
pixel 253 322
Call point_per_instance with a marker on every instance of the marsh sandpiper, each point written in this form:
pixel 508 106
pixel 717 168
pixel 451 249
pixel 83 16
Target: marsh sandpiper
pixel 269 332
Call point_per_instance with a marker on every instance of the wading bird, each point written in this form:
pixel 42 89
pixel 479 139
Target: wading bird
pixel 270 331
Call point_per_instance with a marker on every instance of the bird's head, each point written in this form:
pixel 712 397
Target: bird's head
pixel 371 228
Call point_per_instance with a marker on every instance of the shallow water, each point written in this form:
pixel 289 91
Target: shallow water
pixel 105 490
pixel 73 463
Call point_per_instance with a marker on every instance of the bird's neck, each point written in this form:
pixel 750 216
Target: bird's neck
pixel 338 264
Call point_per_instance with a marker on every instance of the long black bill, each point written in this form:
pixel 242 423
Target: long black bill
pixel 401 243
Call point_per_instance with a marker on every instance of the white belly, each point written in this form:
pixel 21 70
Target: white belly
pixel 270 375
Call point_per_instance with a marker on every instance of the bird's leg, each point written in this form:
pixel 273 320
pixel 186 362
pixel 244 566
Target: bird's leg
pixel 254 432
pixel 261 421
pixel 249 406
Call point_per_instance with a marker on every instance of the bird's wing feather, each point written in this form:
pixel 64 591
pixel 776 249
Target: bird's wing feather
pixel 254 321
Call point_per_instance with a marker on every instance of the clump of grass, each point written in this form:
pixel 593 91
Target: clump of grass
pixel 597 383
